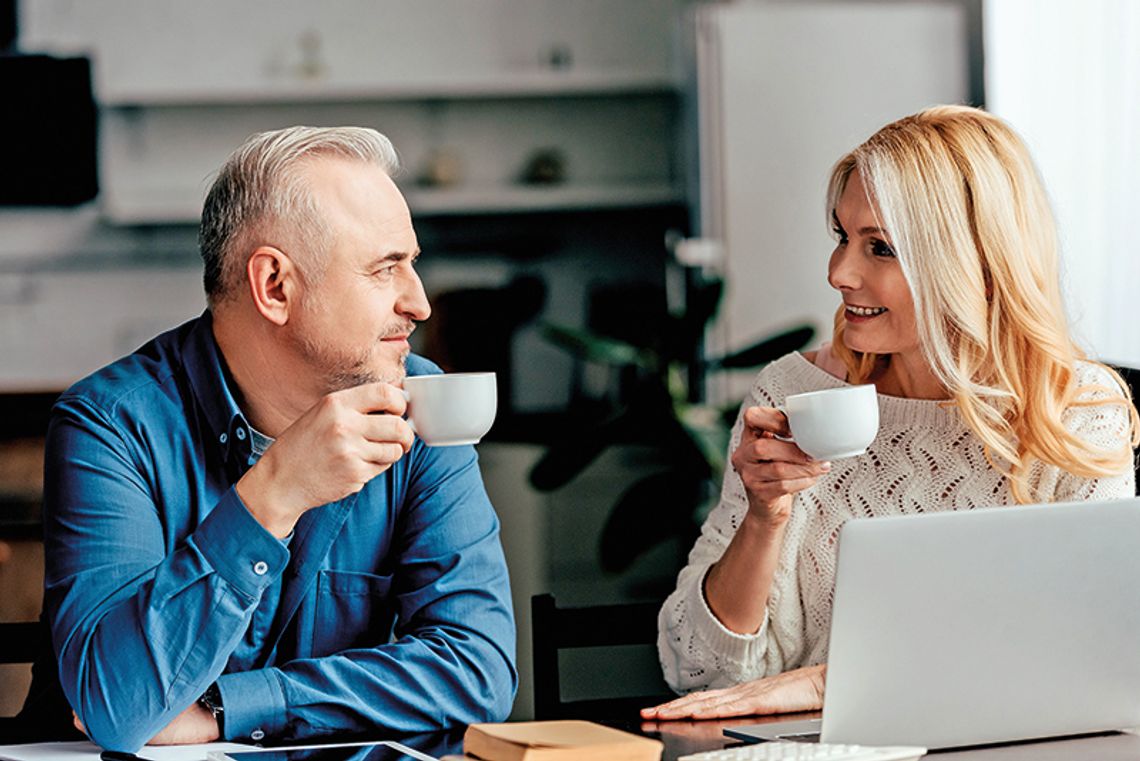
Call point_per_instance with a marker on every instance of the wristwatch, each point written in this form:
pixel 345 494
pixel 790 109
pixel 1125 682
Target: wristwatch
pixel 211 700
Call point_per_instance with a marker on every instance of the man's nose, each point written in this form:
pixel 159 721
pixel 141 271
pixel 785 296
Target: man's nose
pixel 413 301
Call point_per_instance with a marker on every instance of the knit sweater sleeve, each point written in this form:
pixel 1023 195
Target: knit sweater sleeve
pixel 696 650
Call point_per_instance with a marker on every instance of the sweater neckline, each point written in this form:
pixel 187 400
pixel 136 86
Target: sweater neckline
pixel 892 409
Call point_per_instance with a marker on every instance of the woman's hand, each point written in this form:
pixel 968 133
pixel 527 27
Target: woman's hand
pixel 772 470
pixel 790 692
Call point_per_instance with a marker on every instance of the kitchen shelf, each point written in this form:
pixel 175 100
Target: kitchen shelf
pixel 164 206
pixel 539 83
pixel 516 199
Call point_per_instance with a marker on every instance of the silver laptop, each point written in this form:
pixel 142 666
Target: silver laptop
pixel 954 629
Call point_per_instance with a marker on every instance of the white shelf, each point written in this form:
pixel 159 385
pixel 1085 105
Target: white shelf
pixel 492 200
pixel 173 207
pixel 539 83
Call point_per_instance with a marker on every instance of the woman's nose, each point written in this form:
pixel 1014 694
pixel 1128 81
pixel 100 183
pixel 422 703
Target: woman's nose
pixel 843 270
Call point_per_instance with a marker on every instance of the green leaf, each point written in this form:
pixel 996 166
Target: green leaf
pixel 595 348
pixel 765 350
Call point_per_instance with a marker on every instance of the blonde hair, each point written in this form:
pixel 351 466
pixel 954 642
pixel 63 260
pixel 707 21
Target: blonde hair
pixel 975 237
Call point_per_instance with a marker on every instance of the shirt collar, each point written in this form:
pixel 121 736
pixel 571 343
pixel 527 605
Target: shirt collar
pixel 211 382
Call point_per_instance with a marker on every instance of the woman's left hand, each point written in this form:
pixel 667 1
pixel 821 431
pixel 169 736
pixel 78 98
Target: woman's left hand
pixel 790 692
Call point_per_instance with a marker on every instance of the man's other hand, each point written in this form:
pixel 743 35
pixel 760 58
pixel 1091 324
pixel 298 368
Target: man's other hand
pixel 344 441
pixel 193 726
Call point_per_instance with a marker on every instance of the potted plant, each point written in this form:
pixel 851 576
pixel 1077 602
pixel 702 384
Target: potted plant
pixel 663 408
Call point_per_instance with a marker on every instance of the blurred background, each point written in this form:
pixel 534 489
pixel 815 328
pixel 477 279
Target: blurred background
pixel 620 204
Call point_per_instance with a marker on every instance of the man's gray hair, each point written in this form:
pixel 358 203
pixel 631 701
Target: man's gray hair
pixel 259 194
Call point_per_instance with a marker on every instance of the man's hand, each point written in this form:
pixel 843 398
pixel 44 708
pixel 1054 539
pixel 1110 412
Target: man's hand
pixel 193 726
pixel 790 692
pixel 333 450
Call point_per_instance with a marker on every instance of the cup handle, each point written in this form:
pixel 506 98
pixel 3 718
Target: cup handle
pixel 783 411
pixel 411 423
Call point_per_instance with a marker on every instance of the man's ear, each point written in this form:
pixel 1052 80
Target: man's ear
pixel 272 283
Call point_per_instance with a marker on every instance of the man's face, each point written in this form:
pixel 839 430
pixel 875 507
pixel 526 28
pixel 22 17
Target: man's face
pixel 353 324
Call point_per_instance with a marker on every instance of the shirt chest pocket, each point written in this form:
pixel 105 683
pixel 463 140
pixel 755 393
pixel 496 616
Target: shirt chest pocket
pixel 353 610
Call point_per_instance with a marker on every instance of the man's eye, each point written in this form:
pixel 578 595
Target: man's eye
pixel 880 248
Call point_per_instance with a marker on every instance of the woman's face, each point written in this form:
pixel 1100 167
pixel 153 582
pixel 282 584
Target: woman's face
pixel 879 309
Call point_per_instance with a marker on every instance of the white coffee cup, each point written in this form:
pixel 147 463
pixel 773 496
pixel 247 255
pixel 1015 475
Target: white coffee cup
pixel 451 409
pixel 835 422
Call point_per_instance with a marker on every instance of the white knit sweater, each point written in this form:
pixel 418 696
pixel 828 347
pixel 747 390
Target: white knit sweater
pixel 924 459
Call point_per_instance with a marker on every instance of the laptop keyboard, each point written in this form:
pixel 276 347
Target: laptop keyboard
pixel 797 751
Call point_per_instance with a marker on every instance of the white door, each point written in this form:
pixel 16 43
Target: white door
pixel 785 89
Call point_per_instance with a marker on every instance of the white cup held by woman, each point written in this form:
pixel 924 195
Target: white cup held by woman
pixel 835 422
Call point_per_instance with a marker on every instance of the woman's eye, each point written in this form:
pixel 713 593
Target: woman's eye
pixel 839 235
pixel 880 248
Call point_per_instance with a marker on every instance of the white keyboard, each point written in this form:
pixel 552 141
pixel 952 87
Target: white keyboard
pixel 790 751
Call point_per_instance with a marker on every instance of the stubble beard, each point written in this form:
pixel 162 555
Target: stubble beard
pixel 346 369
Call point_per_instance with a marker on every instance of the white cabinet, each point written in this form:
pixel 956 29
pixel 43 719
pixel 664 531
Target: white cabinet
pixel 160 51
pixel 56 327
pixel 489 82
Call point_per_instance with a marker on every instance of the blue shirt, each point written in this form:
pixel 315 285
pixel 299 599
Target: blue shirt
pixel 390 608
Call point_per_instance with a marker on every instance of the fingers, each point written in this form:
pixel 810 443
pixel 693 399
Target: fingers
pixel 680 708
pixel 383 454
pixel 766 420
pixel 384 429
pixel 710 707
pixel 374 397
pixel 782 459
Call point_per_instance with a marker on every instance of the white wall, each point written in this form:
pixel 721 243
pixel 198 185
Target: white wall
pixel 1066 75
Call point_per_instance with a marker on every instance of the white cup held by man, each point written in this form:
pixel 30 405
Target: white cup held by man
pixel 835 422
pixel 451 409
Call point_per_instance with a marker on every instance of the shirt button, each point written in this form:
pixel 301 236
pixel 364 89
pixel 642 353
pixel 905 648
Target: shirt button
pixel 256 735
pixel 241 434
pixel 260 568
pixel 223 438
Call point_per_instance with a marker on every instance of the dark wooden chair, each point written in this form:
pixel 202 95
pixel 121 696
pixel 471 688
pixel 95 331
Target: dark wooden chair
pixel 20 642
pixel 617 627
pixel 1131 376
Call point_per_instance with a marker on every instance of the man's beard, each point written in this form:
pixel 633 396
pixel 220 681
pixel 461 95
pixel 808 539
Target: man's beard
pixel 343 369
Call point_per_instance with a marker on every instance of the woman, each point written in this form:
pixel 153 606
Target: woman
pixel 946 261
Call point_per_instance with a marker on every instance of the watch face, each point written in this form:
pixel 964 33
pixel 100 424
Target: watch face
pixel 211 700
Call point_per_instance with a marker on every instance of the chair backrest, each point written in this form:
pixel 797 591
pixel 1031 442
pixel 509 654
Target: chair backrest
pixel 596 627
pixel 1131 376
pixel 21 642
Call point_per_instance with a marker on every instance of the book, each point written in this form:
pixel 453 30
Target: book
pixel 557 740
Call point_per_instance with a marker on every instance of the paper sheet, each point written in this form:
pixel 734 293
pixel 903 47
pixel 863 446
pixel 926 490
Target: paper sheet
pixel 85 751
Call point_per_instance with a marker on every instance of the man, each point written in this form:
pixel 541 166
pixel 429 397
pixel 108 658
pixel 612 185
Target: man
pixel 244 539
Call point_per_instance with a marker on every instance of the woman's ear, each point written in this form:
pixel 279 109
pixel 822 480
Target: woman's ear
pixel 272 283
